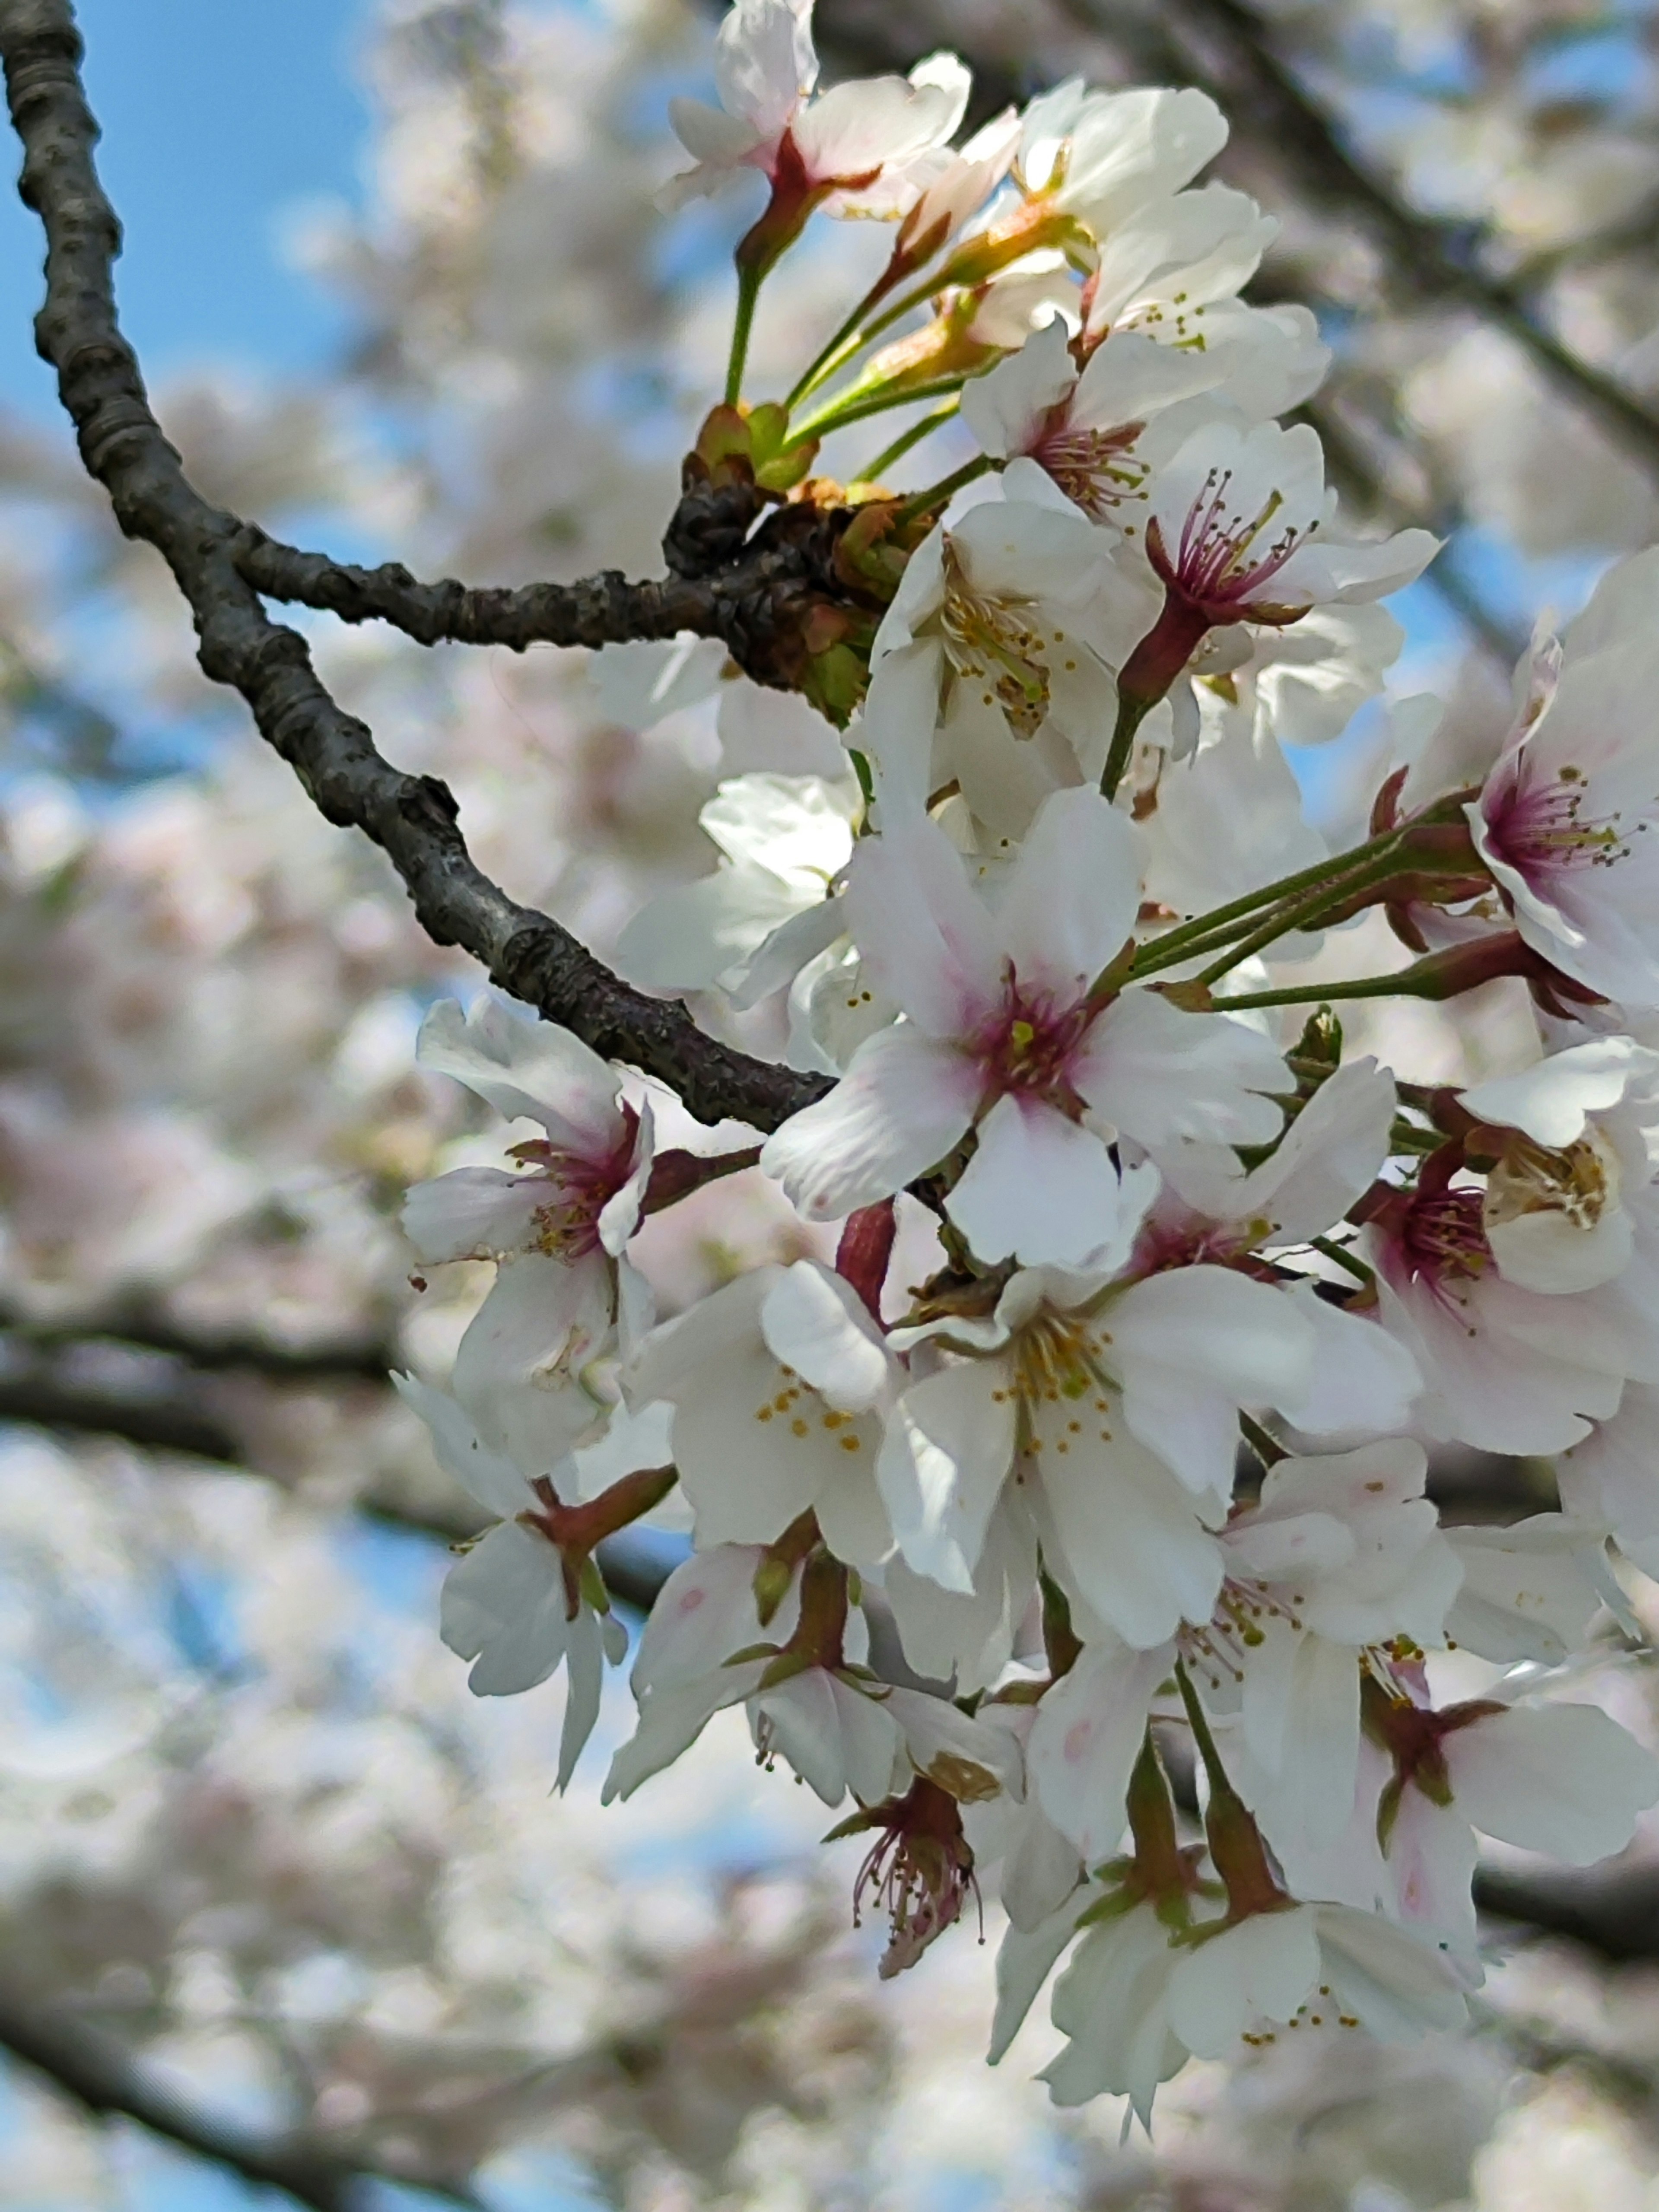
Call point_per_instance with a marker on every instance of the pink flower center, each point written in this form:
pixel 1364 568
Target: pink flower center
pixel 1540 826
pixel 1441 1241
pixel 1220 560
pixel 1028 1046
pixel 580 1188
pixel 1096 468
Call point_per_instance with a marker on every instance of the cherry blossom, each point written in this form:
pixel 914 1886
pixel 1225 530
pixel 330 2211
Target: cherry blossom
pixel 1562 819
pixel 564 1299
pixel 1076 1390
pixel 1009 623
pixel 1084 435
pixel 836 150
pixel 777 1384
pixel 767 909
pixel 1005 1034
pixel 518 1605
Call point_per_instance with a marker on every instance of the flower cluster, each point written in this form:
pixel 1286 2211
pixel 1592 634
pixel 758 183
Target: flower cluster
pixel 1059 1517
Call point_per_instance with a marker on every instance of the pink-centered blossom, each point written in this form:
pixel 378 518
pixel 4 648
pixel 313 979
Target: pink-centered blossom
pixel 1006 1035
pixel 1568 818
pixel 847 149
pixel 565 1297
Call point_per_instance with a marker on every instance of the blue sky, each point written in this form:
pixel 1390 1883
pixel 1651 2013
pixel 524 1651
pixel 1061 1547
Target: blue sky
pixel 220 118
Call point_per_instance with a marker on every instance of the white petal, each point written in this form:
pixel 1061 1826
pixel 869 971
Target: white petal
pixel 503 1605
pixel 1565 1780
pixel 534 1069
pixel 904 1103
pixel 640 682
pixel 704 1612
pixel 817 1323
pixel 1071 898
pixel 1005 410
pixel 524 1368
pixel 584 1686
pixel 1086 1738
pixel 490 1476
pixel 1262 1969
pixel 948 1449
pixel 1162 1075
pixel 1394 1986
pixel 1362 1378
pixel 1025 1959
pixel 1551 1102
pixel 923 931
pixel 1195 1344
pixel 1127 1543
pixel 671 1721
pixel 473 1213
pixel 1039 1187
pixel 687 939
pixel 1526 1594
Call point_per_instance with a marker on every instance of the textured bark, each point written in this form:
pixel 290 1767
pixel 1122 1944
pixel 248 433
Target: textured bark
pixel 411 818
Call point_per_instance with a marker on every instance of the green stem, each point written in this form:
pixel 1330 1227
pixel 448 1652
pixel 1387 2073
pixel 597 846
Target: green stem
pixel 1182 942
pixel 856 408
pixel 874 470
pixel 1236 1845
pixel 939 495
pixel 749 284
pixel 1397 986
pixel 849 339
pixel 1199 1720
pixel 1304 913
pixel 1343 1258
pixel 1131 713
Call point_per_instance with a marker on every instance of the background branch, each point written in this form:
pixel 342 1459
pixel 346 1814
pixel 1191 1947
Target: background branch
pixel 98 2074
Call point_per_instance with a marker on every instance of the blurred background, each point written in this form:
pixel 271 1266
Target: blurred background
pixel 281 1907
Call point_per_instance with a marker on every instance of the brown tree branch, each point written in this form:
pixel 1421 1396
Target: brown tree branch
pixel 411 819
pixel 99 2073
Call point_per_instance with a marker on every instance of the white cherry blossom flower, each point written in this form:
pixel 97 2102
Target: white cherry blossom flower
pixel 820 1709
pixel 1363 1380
pixel 767 909
pixel 1112 2004
pixel 1320 1965
pixel 1171 273
pixel 1561 1779
pixel 1110 1411
pixel 1002 1036
pixel 1563 819
pixel 1570 1203
pixel 778 1382
pixel 565 1298
pixel 1339 1553
pixel 513 1604
pixel 1085 436
pixel 1529 1590
pixel 993 667
pixel 1102 156
pixel 1237 529
pixel 1505 1368
pixel 840 148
